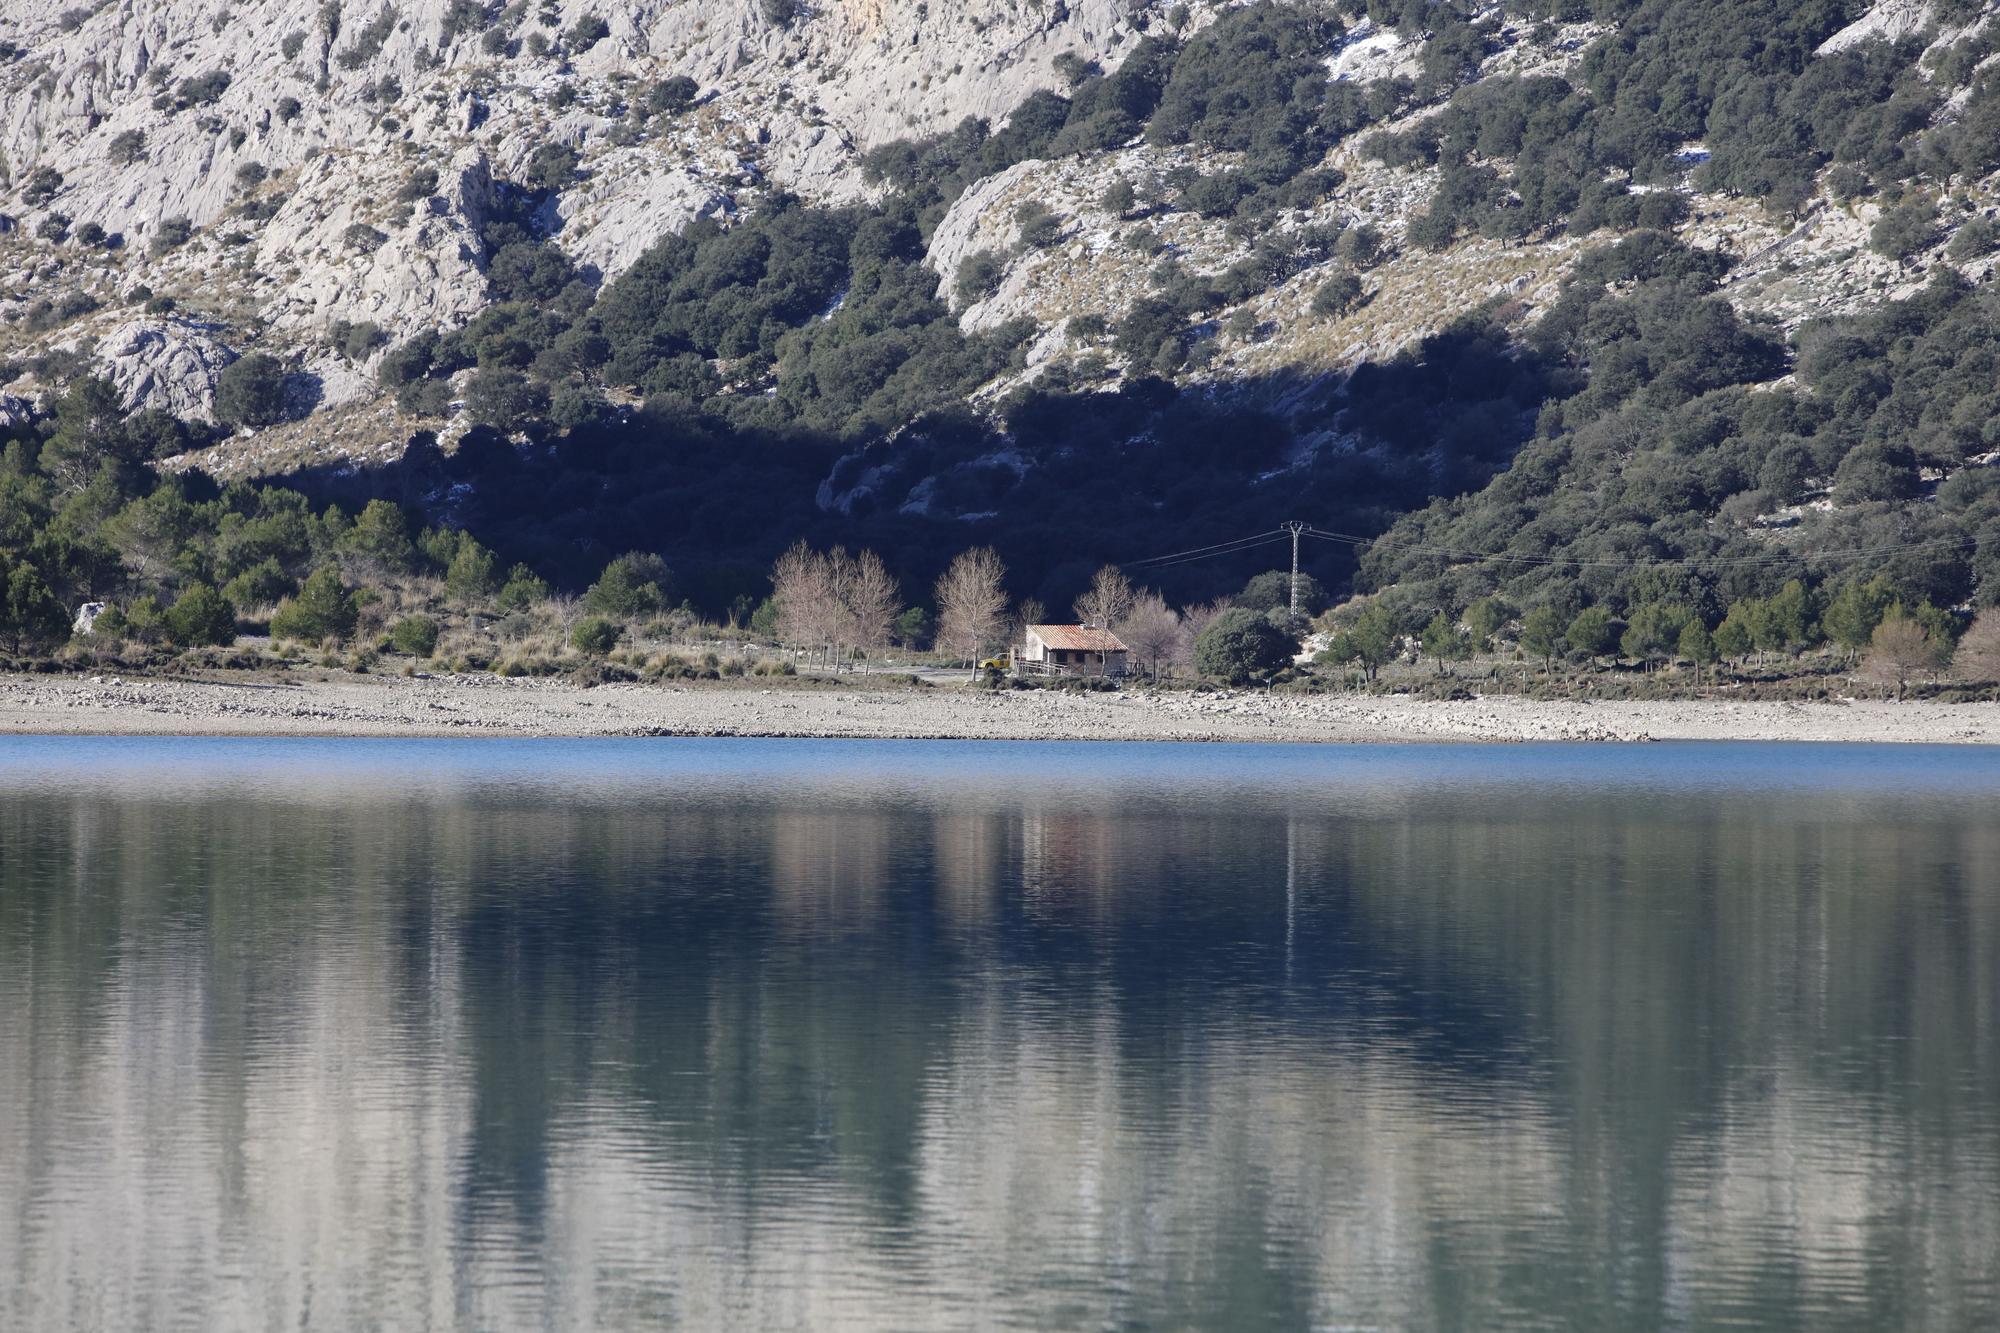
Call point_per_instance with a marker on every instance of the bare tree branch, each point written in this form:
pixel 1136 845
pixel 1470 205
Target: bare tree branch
pixel 972 605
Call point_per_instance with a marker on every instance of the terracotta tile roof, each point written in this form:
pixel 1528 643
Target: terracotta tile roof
pixel 1078 638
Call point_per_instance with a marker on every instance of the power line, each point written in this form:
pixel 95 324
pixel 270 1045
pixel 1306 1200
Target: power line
pixel 1291 531
pixel 1204 552
pixel 1274 539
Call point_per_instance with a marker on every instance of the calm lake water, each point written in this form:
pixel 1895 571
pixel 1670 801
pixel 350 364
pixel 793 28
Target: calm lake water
pixel 850 1035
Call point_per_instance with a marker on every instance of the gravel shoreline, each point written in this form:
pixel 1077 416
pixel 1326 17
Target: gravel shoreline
pixel 491 706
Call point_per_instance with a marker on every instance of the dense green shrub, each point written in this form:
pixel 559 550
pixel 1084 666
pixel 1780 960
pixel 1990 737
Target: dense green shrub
pixel 199 617
pixel 1235 86
pixel 1904 230
pixel 1272 591
pixel 1242 645
pixel 355 340
pixel 1976 239
pixel 251 391
pixel 978 276
pixel 1337 295
pixel 461 16
pixel 414 636
pixel 171 234
pixel 31 618
pixel 672 95
pixel 523 589
pixel 41 185
pixel 323 609
pixel 262 584
pixel 1037 227
pixel 595 635
pixel 552 166
pixel 421 183
pixel 586 32
pixel 1151 323
pixel 1368 640
pixel 473 571
pixel 202 89
pixel 501 396
pixel 1217 194
pixel 633 585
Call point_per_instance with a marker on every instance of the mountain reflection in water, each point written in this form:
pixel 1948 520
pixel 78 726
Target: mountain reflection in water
pixel 927 1035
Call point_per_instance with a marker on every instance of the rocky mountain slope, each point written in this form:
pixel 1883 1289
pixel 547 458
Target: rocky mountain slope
pixel 278 129
pixel 185 182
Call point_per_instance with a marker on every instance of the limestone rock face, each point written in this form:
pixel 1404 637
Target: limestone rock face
pixel 167 364
pixel 632 200
pixel 1889 20
pixel 208 86
pixel 282 133
pixel 350 245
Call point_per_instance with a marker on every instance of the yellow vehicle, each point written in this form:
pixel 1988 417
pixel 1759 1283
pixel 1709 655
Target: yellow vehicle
pixel 996 664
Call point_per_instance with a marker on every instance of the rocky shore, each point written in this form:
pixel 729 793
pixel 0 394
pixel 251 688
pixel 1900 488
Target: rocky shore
pixel 491 706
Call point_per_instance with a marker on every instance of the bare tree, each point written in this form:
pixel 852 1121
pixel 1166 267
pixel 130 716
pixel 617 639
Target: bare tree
pixel 840 629
pixel 1030 612
pixel 1195 619
pixel 869 597
pixel 1151 629
pixel 802 585
pixel 1109 600
pixel 564 609
pixel 1902 648
pixel 972 606
pixel 1978 655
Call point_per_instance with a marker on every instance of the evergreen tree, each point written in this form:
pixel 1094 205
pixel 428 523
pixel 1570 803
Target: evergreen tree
pixel 201 616
pixel 634 584
pixel 1369 640
pixel 1240 645
pixel 1654 631
pixel 1444 641
pixel 323 609
pixel 1794 613
pixel 1541 633
pixel 1591 632
pixel 1854 611
pixel 251 391
pixel 380 539
pixel 415 635
pixel 1698 647
pixel 1733 637
pixel 471 574
pixel 1483 620
pixel 31 619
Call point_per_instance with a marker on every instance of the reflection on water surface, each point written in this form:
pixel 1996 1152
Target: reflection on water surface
pixel 905 1035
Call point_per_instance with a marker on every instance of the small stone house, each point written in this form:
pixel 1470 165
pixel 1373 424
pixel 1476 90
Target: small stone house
pixel 1070 650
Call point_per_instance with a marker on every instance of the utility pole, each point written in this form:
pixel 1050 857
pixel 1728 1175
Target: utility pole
pixel 1295 528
